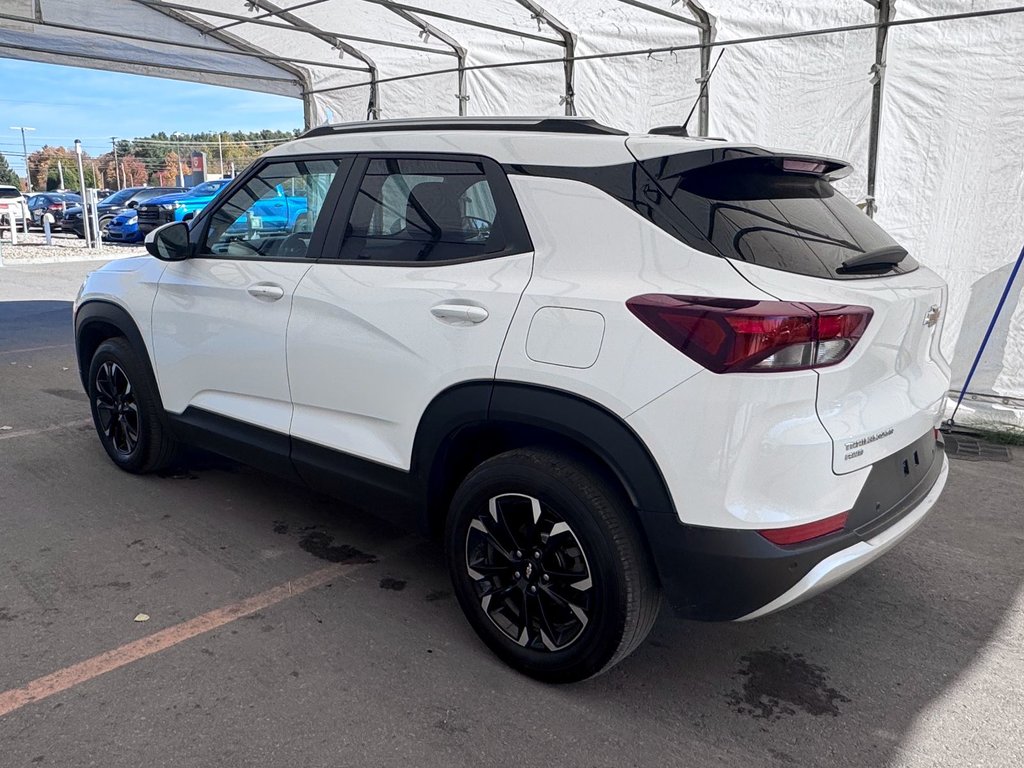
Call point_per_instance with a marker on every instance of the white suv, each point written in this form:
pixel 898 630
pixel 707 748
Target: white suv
pixel 13 207
pixel 605 367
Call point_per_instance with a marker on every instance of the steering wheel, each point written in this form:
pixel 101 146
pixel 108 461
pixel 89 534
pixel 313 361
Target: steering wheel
pixel 294 246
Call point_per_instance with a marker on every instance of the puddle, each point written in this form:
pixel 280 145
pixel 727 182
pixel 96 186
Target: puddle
pixel 778 683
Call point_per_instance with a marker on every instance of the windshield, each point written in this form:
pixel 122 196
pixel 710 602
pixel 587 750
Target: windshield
pixel 209 188
pixel 120 197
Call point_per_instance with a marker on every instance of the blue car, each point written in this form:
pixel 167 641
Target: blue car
pixel 160 210
pixel 125 228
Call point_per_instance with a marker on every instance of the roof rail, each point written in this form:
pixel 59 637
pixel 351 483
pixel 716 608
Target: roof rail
pixel 584 125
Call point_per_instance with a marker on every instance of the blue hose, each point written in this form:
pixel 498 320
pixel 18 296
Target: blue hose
pixel 988 333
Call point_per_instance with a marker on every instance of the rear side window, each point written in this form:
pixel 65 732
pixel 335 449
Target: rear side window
pixel 431 210
pixel 751 210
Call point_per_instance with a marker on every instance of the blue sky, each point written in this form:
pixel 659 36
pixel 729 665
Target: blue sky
pixel 65 103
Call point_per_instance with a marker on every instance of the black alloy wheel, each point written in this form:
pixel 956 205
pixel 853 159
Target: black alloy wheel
pixel 530 572
pixel 117 409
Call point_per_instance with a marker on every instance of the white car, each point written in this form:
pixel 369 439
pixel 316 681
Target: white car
pixel 604 367
pixel 13 204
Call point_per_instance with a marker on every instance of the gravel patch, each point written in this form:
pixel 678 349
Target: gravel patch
pixel 32 249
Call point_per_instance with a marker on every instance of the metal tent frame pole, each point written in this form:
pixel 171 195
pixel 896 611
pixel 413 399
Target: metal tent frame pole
pixel 568 43
pixel 884 11
pixel 373 105
pixel 458 50
pixel 705 23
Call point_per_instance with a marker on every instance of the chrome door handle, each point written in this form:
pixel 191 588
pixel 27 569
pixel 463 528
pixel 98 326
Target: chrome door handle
pixel 467 313
pixel 266 291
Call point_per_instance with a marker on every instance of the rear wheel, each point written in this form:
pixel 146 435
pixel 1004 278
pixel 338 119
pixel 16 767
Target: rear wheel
pixel 548 565
pixel 126 410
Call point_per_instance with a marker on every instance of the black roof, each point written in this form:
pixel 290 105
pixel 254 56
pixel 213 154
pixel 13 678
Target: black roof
pixel 583 125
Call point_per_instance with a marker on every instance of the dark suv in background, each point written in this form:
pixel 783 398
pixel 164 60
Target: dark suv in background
pixel 109 207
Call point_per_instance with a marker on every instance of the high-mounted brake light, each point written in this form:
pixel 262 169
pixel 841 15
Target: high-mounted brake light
pixel 738 335
pixel 798 534
pixel 804 166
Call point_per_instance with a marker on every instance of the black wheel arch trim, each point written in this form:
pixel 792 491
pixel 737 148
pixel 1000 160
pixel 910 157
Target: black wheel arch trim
pixel 99 311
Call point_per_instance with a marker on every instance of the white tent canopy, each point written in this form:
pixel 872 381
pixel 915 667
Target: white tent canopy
pixel 930 109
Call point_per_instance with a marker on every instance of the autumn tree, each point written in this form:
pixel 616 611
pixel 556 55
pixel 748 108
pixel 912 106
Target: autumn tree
pixel 133 171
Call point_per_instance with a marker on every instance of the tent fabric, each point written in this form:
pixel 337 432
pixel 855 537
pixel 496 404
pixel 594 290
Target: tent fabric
pixel 950 167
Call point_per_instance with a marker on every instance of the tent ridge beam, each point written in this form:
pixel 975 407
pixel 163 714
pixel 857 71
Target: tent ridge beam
pixel 568 43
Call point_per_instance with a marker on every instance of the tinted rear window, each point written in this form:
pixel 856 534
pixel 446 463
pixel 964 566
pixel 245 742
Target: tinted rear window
pixel 750 210
pixel 9 193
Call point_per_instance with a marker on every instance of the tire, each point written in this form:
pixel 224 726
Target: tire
pixel 537 501
pixel 126 410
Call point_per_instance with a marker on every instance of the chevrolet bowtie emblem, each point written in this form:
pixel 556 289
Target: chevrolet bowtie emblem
pixel 932 318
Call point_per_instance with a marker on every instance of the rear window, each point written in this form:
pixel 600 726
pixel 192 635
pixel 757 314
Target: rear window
pixel 750 210
pixel 9 193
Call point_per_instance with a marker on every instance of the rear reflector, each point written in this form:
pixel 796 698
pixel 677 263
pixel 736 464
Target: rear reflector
pixel 801 533
pixel 738 335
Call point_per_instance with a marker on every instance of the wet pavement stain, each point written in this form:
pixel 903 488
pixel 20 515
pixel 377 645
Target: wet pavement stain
pixel 437 594
pixel 396 585
pixel 778 683
pixel 6 615
pixel 280 526
pixel 320 545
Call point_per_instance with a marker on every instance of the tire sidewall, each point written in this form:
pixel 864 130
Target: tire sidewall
pixel 588 654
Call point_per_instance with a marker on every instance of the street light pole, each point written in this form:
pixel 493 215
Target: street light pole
pixel 181 169
pixel 24 149
pixel 117 175
pixel 85 194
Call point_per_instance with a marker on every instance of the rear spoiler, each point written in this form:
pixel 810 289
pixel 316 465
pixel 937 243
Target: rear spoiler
pixel 674 164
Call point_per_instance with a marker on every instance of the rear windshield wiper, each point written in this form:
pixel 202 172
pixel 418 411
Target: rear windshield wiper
pixel 886 256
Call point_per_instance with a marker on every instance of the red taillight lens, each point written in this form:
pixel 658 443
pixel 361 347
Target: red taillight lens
pixel 54 206
pixel 733 335
pixel 798 534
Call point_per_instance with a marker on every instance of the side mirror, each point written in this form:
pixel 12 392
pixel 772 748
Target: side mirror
pixel 133 203
pixel 189 216
pixel 169 242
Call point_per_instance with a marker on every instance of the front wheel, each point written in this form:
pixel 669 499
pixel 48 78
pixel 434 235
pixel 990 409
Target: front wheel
pixel 126 410
pixel 548 565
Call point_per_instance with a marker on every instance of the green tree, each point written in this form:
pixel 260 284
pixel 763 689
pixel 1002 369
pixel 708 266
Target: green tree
pixel 7 176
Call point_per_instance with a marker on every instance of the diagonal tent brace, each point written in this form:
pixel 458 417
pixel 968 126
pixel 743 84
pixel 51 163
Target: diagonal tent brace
pixel 568 43
pixel 373 106
pixel 430 30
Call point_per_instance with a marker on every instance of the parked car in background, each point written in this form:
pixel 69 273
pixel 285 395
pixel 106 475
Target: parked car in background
pixel 109 207
pixel 12 203
pixel 51 202
pixel 124 228
pixel 160 210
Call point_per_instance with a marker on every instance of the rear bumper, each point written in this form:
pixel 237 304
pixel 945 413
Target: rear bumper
pixel 720 574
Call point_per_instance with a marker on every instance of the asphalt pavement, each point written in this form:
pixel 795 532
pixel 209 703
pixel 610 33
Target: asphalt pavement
pixel 288 629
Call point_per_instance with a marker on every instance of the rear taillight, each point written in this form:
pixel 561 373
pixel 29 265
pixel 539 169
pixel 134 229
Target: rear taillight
pixel 55 206
pixel 798 534
pixel 738 335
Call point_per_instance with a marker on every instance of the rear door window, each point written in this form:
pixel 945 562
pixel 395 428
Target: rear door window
pixel 751 210
pixel 424 210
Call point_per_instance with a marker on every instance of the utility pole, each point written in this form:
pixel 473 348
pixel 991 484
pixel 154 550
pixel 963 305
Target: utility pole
pixel 60 173
pixel 220 151
pixel 24 148
pixel 117 165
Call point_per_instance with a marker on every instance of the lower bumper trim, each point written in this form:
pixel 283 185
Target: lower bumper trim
pixel 837 567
